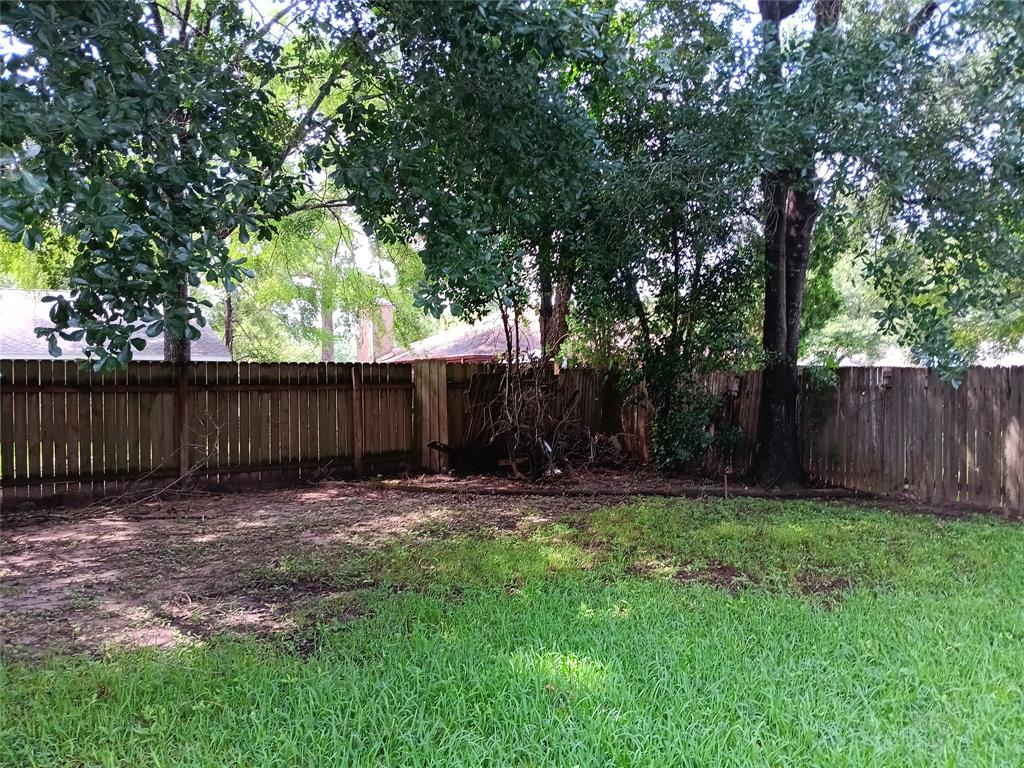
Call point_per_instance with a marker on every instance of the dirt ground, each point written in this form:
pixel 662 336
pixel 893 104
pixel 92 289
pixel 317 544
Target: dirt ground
pixel 608 482
pixel 171 571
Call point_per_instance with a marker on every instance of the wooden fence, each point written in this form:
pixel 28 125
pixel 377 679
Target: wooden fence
pixel 66 432
pixel 900 431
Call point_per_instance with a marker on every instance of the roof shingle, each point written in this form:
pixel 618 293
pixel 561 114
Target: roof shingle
pixel 481 342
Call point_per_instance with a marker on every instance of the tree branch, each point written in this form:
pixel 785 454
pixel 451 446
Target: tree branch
pixel 158 21
pixel 777 10
pixel 924 13
pixel 827 13
pixel 176 14
pixel 183 27
pixel 275 18
pixel 341 203
pixel 303 124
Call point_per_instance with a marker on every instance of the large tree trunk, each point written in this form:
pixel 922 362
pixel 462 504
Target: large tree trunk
pixel 559 330
pixel 327 339
pixel 554 313
pixel 790 210
pixel 789 220
pixel 177 350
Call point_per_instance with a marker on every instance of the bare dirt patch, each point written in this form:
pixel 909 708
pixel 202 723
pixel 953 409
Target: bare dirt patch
pixel 828 590
pixel 715 574
pixel 172 572
pixel 641 481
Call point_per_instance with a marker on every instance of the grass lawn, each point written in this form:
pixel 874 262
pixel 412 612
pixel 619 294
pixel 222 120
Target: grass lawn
pixel 662 632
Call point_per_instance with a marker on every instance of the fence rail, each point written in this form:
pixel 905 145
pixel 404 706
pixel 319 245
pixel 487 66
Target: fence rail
pixel 67 432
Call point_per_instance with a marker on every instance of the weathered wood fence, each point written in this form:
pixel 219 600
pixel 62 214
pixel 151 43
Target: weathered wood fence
pixel 901 431
pixel 68 433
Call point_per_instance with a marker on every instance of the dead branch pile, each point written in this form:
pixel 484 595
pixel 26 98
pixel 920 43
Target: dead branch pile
pixel 528 418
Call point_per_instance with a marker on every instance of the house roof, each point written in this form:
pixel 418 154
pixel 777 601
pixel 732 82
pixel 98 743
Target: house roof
pixel 23 311
pixel 481 342
pixel 894 356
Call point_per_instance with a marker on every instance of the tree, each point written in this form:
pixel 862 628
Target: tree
pixel 663 245
pixel 566 150
pixel 635 155
pixel 460 135
pixel 48 266
pixel 837 115
pixel 148 135
pixel 317 271
pixel 907 113
pixel 840 308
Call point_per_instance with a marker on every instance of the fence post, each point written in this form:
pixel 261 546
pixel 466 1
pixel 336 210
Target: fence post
pixel 357 418
pixel 182 413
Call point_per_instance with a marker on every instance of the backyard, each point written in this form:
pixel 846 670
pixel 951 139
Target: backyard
pixel 354 624
pixel 512 383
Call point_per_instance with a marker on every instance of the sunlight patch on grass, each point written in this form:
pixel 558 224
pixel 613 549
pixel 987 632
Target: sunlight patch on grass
pixel 468 561
pixel 560 672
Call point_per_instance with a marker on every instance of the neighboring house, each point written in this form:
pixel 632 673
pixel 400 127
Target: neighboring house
pixel 21 312
pixel 894 356
pixel 478 343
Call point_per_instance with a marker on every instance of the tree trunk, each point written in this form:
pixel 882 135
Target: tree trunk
pixel 560 316
pixel 789 221
pixel 178 349
pixel 327 339
pixel 229 325
pixel 554 313
pixel 546 311
pixel 790 210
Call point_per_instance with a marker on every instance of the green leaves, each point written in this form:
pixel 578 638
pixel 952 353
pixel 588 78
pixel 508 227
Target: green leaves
pixel 587 140
pixel 167 146
pixel 478 153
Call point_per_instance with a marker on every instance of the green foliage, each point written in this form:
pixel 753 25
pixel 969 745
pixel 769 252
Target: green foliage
pixel 660 245
pixel 914 132
pixel 459 134
pixel 823 299
pixel 145 148
pixel 48 266
pixel 617 147
pixel 309 270
pixel 592 643
pixel 680 426
pixel 854 328
pixel 842 308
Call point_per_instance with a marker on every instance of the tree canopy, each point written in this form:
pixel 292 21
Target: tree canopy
pixel 313 281
pixel 148 145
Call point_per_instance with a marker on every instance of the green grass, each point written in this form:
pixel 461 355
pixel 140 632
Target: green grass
pixel 551 647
